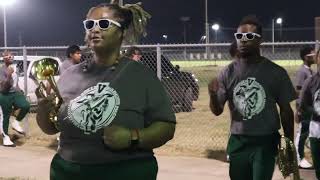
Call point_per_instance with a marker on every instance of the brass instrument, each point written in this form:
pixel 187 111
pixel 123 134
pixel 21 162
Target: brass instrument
pixel 287 159
pixel 45 69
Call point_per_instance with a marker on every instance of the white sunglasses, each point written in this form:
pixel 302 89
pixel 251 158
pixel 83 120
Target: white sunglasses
pixel 102 23
pixel 311 54
pixel 246 36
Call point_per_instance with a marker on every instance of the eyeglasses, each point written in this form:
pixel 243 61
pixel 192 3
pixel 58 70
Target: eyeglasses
pixel 246 36
pixel 102 23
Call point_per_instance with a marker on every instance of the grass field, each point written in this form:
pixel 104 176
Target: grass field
pixel 199 133
pixel 197 63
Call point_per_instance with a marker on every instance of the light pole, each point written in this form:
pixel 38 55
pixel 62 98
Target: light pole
pixel 184 20
pixel 4 4
pixel 206 23
pixel 278 21
pixel 216 28
pixel 207 28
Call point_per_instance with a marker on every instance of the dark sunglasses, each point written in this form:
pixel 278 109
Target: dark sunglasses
pixel 246 36
pixel 102 23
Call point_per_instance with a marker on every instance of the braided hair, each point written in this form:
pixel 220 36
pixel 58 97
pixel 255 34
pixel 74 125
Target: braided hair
pixel 132 17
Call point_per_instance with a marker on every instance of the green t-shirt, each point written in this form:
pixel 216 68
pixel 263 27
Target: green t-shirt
pixel 253 90
pixel 127 94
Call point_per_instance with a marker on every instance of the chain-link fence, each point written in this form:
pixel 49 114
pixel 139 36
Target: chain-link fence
pixel 185 70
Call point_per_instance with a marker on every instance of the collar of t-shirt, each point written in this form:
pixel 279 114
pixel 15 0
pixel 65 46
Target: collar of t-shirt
pixel 308 68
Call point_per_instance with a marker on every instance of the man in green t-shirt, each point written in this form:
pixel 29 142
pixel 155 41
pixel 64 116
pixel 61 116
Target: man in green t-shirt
pixel 253 87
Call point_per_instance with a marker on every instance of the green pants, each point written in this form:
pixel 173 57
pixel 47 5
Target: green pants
pixel 136 169
pixel 10 100
pixel 252 157
pixel 315 151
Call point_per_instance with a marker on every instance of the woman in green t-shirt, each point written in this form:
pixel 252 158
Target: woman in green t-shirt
pixel 114 110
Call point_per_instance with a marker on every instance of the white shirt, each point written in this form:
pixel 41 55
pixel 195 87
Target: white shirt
pixel 314 129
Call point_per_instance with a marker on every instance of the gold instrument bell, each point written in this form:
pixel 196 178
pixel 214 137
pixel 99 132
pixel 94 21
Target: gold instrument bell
pixel 46 69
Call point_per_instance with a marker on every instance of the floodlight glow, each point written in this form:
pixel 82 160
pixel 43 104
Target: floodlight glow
pixel 6 2
pixel 215 27
pixel 279 20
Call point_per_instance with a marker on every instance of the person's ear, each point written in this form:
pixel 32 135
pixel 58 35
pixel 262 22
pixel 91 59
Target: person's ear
pixel 305 57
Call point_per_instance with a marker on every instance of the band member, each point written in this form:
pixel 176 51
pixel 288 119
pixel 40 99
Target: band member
pixel 310 103
pixel 307 54
pixel 113 113
pixel 74 55
pixel 11 97
pixel 134 53
pixel 253 87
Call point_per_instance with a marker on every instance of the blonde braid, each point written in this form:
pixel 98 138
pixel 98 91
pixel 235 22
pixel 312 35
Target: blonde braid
pixel 138 25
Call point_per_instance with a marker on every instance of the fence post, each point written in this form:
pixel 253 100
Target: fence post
pixel 185 53
pixel 289 53
pixel 25 78
pixel 25 69
pixel 159 61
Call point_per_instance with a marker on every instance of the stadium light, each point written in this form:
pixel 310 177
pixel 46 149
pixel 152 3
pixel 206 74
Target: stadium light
pixel 165 37
pixel 216 28
pixel 279 20
pixel 4 4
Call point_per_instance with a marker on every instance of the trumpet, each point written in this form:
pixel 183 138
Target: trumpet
pixel 45 69
pixel 287 159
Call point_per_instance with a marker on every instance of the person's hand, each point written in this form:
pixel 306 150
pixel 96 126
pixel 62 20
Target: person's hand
pixel 117 137
pixel 45 106
pixel 213 86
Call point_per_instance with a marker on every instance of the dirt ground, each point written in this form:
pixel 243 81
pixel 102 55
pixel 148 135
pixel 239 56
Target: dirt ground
pixel 32 163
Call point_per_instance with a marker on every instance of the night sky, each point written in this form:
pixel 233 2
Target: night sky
pixel 59 22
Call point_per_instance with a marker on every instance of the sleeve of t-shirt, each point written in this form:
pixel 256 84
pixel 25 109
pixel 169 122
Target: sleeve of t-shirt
pixel 306 96
pixel 300 78
pixel 158 105
pixel 285 90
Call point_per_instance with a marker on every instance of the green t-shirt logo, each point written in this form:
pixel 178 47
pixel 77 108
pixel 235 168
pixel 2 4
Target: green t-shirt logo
pixel 95 108
pixel 249 98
